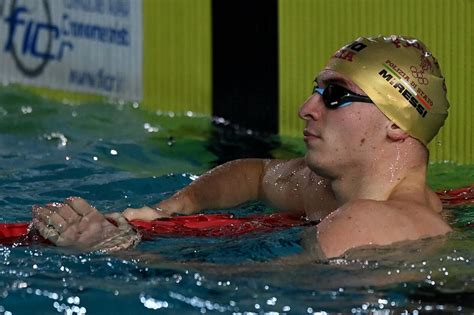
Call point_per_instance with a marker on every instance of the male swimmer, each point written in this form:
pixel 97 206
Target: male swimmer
pixel 374 108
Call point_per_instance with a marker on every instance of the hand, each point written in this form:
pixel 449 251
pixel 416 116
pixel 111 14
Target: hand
pixel 77 224
pixel 145 213
pixel 165 209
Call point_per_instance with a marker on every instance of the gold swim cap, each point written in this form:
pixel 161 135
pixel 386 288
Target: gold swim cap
pixel 401 77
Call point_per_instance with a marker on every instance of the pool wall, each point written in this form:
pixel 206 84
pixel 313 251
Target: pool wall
pixel 184 63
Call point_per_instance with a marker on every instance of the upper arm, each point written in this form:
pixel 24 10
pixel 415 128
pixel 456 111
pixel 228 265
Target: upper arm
pixel 227 185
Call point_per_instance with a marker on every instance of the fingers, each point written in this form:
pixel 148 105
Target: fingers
pixel 76 224
pixel 67 213
pixel 145 213
pixel 130 214
pixel 80 206
pixel 56 219
pixel 179 203
pixel 51 219
pixel 48 232
pixel 120 220
pixel 56 215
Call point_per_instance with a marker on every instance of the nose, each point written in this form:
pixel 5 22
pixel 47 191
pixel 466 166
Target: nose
pixel 311 108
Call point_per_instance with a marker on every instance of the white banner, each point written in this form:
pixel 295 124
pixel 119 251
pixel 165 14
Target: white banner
pixel 90 46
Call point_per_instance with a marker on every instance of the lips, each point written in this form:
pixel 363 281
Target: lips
pixel 309 135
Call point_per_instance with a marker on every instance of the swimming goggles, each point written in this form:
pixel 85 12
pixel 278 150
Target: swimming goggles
pixel 335 96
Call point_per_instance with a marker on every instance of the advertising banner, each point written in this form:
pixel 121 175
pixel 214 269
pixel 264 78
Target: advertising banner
pixel 92 46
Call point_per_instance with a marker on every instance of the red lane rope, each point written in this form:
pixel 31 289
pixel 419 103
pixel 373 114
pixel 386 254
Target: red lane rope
pixel 217 224
pixel 201 225
pixel 458 196
pixel 214 225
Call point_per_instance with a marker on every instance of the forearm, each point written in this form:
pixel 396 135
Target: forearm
pixel 225 186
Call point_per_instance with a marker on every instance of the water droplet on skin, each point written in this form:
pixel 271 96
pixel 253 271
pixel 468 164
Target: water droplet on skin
pixel 395 166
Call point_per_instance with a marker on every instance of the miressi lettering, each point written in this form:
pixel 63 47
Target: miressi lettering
pixel 404 92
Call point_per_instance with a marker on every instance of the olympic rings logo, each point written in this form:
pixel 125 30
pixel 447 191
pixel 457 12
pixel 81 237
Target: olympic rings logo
pixel 418 74
pixel 425 65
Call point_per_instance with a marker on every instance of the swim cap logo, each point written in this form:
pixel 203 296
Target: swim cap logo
pixel 425 65
pixel 391 75
pixel 409 43
pixel 348 52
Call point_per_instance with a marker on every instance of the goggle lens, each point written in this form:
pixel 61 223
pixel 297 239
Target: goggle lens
pixel 335 96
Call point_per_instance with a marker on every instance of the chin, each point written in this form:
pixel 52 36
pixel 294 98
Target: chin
pixel 314 163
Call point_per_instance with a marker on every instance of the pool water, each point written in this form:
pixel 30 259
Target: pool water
pixel 117 155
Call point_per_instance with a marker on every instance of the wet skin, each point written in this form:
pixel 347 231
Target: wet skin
pixel 362 176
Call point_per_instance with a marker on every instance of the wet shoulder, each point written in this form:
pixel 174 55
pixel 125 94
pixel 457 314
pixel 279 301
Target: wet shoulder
pixel 370 222
pixel 415 195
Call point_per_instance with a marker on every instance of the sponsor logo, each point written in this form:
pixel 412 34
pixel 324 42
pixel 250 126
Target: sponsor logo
pixel 99 79
pixel 31 32
pixel 399 72
pixel 390 75
pixel 410 43
pixel 348 52
pixel 34 39
pixel 425 65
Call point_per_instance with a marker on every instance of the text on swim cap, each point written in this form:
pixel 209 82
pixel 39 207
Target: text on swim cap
pixel 400 74
pixel 349 51
pixel 404 90
pixel 406 43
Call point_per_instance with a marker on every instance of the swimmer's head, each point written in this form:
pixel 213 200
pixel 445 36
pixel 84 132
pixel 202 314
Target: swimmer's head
pixel 401 77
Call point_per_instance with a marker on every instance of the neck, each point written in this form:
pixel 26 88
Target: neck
pixel 376 179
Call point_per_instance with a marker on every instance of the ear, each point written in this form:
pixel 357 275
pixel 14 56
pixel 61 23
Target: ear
pixel 394 133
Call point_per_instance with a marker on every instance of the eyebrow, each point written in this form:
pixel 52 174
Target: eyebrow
pixel 337 81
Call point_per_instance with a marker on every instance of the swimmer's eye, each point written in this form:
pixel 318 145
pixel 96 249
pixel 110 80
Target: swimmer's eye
pixel 335 96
